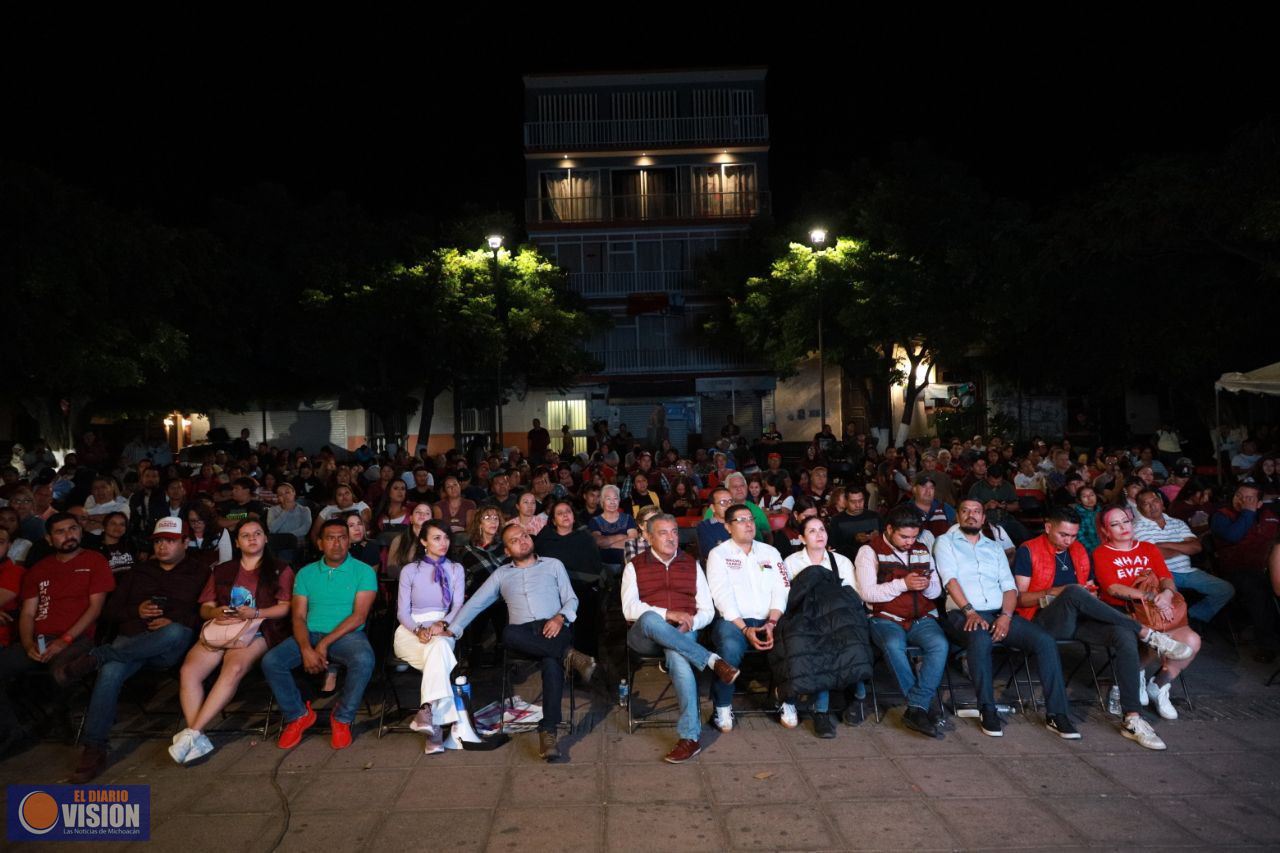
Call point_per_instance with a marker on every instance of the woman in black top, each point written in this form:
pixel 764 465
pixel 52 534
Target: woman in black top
pixel 563 540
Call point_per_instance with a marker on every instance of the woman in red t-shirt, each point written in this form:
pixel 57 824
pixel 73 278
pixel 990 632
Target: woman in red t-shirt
pixel 1117 562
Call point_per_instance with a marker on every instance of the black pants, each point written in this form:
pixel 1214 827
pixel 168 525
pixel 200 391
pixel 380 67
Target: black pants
pixel 527 639
pixel 1253 590
pixel 1078 615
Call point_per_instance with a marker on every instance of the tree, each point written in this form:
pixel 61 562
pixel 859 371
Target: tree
pixel 445 323
pixel 91 311
pixel 925 279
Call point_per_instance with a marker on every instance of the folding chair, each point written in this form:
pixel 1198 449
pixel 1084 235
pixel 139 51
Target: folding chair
pixel 636 661
pixel 1014 659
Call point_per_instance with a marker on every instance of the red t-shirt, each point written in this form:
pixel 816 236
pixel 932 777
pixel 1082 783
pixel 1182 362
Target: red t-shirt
pixel 10 579
pixel 249 582
pixel 62 590
pixel 1111 567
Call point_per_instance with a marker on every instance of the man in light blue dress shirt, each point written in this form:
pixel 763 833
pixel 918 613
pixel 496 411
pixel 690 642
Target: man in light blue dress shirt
pixel 541 607
pixel 981 598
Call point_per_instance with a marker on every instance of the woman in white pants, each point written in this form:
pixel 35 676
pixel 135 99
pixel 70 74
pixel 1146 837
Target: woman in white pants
pixel 432 588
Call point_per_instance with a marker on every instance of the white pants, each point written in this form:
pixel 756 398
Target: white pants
pixel 436 660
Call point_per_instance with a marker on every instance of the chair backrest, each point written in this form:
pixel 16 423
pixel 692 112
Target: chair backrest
pixel 282 542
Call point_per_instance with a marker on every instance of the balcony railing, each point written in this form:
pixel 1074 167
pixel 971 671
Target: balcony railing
pixel 648 207
pixel 630 133
pixel 672 359
pixel 624 283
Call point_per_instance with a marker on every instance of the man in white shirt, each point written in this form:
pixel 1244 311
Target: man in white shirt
pixel 982 597
pixel 749 587
pixel 667 600
pixel 896 579
pixel 1178 545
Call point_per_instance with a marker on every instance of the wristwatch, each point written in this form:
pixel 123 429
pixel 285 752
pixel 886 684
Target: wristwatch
pixel 1006 615
pixel 967 609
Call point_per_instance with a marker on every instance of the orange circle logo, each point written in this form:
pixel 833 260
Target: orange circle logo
pixel 38 813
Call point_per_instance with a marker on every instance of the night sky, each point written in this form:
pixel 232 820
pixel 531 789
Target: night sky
pixel 413 127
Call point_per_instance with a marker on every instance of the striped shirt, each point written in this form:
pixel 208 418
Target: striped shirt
pixel 1174 530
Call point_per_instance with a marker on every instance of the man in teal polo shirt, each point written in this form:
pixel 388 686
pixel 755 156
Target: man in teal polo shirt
pixel 331 601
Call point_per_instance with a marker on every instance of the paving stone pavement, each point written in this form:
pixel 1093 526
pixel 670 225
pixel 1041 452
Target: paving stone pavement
pixel 875 787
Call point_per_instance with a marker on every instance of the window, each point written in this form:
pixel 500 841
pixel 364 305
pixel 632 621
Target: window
pixel 644 193
pixel 728 189
pixel 570 195
pixel 573 413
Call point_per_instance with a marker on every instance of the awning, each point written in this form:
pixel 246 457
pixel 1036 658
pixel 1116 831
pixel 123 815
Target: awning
pixel 1264 380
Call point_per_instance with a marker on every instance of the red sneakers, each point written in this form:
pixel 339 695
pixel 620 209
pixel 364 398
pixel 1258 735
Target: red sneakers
pixel 292 734
pixel 340 734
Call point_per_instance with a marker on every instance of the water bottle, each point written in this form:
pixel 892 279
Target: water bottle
pixel 624 691
pixel 463 687
pixel 1113 701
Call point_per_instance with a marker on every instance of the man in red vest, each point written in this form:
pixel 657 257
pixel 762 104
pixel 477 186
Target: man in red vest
pixel 1243 533
pixel 666 599
pixel 896 579
pixel 1056 591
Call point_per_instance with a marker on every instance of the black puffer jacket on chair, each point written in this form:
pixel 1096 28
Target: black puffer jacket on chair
pixel 823 641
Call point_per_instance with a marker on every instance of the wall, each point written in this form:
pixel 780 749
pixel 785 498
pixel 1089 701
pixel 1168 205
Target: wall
pixel 801 392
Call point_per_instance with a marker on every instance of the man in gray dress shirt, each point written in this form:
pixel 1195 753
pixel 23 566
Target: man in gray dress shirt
pixel 542 608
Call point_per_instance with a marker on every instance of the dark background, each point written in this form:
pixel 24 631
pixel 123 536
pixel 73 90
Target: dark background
pixel 424 118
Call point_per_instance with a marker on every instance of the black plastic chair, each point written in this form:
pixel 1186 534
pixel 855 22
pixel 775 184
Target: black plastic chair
pixel 511 663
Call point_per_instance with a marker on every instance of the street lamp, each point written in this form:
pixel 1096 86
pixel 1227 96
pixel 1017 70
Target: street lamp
pixel 817 237
pixel 495 243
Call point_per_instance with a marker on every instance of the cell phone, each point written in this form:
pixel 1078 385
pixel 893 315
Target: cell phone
pixel 229 611
pixel 160 600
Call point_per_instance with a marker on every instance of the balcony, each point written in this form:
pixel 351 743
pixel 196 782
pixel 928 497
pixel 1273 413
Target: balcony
pixel 599 284
pixel 632 133
pixel 652 207
pixel 670 360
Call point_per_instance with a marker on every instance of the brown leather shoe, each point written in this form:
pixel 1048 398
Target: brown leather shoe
pixel 726 673
pixel 547 748
pixel 584 665
pixel 92 762
pixel 683 750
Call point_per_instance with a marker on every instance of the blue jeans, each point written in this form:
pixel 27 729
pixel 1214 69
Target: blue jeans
pixel 653 635
pixel 893 641
pixel 351 650
pixel 1216 591
pixel 731 644
pixel 159 649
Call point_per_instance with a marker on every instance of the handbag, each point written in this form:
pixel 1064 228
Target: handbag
pixel 224 636
pixel 1146 612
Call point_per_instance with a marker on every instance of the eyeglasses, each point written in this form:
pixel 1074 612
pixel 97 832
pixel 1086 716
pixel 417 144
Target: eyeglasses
pixel 723 503
pixel 747 520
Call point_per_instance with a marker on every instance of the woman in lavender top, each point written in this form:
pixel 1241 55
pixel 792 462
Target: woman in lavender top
pixel 432 588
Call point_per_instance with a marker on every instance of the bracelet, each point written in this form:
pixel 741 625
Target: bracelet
pixel 67 638
pixel 1005 615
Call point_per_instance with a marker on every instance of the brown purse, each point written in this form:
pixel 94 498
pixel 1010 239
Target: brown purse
pixel 1146 612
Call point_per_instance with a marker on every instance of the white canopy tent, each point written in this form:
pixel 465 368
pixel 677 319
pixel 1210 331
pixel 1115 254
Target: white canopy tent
pixel 1264 380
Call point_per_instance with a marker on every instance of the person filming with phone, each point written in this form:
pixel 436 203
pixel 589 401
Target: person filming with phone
pixel 895 578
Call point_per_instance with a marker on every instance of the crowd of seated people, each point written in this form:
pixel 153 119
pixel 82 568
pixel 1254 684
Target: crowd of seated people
pixel 264 557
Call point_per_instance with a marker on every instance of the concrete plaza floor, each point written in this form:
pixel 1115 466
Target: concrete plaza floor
pixel 876 786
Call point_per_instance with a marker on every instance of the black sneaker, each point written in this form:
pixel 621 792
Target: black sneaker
pixel 824 726
pixel 989 721
pixel 852 715
pixel 1061 725
pixel 918 720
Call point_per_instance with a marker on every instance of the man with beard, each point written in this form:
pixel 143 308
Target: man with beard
pixel 981 599
pixel 62 596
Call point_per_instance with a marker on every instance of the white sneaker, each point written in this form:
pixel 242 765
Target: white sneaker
pixel 1164 705
pixel 200 747
pixel 185 741
pixel 1143 698
pixel 723 719
pixel 179 735
pixel 1168 646
pixel 787 716
pixel 1136 728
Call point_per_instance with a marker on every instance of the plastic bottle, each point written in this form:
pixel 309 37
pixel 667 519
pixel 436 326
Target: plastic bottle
pixel 1113 701
pixel 624 691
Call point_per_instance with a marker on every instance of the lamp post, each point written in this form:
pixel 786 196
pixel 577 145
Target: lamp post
pixel 495 243
pixel 817 237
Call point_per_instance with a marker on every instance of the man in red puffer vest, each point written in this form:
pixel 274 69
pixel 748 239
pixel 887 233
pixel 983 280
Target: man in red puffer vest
pixel 1055 591
pixel 666 599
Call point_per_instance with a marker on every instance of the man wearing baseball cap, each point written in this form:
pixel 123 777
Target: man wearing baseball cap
pixel 156 611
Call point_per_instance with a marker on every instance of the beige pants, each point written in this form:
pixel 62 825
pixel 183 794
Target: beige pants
pixel 436 661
